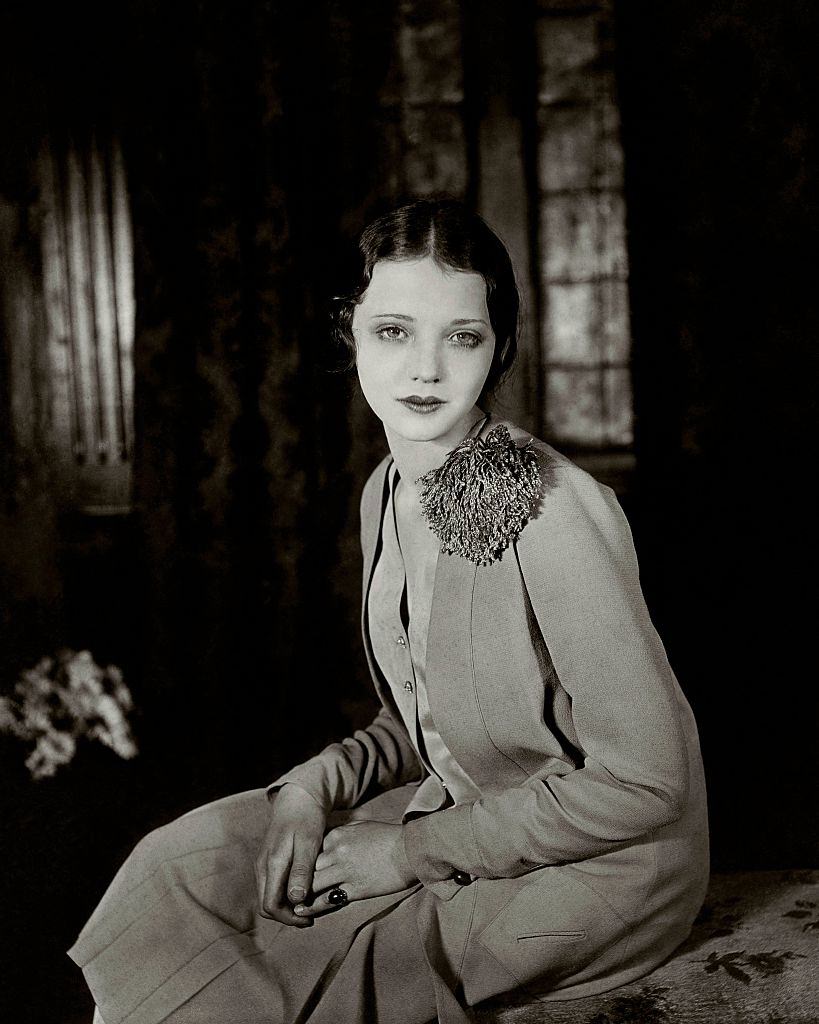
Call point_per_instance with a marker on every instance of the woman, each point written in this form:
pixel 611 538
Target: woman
pixel 527 808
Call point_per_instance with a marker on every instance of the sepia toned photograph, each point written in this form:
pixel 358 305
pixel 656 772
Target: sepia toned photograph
pixel 408 421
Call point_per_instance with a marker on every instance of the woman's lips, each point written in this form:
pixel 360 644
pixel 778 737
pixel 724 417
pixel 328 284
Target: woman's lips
pixel 421 405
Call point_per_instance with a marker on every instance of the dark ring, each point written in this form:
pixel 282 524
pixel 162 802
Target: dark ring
pixel 338 897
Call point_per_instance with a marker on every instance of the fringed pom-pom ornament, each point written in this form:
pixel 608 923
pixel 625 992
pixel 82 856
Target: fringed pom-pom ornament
pixel 480 499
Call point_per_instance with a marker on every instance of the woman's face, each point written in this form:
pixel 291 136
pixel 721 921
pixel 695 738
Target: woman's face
pixel 424 346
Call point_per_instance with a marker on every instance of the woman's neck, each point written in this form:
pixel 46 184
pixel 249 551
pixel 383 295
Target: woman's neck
pixel 414 458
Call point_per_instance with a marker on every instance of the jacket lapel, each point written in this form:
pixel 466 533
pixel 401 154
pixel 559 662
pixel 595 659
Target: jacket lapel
pixel 372 518
pixel 372 513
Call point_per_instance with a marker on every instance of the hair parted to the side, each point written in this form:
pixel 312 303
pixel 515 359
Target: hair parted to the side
pixel 454 237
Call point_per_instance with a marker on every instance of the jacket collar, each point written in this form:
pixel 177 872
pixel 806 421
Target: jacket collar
pixel 372 514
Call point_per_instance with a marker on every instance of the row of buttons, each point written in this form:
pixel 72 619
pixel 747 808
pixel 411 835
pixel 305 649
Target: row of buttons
pixel 403 643
pixel 460 877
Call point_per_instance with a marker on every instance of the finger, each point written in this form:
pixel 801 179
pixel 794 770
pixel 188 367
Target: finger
pixel 273 904
pixel 327 878
pixel 283 913
pixel 323 862
pixel 333 838
pixel 300 879
pixel 322 905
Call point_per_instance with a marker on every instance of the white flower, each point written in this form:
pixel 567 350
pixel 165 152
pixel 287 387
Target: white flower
pixel 118 739
pixel 122 695
pixel 83 673
pixel 53 749
pixel 34 684
pixel 63 699
pixel 10 720
pixel 35 717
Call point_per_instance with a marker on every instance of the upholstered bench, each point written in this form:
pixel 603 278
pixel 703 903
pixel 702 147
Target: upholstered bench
pixel 752 958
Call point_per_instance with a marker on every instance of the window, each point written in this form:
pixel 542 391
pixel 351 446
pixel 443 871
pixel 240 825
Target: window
pixel 585 333
pixel 89 297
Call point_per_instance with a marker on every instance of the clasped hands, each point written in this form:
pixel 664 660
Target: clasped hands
pixel 298 864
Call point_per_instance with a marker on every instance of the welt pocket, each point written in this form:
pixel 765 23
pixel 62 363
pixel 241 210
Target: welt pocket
pixel 553 927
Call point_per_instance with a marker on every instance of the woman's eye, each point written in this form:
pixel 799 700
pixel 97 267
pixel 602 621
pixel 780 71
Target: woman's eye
pixel 467 339
pixel 390 332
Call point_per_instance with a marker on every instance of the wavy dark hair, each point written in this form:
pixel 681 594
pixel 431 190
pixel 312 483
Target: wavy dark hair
pixel 454 237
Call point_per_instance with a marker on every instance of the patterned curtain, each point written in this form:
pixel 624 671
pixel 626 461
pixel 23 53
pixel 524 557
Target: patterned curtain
pixel 253 145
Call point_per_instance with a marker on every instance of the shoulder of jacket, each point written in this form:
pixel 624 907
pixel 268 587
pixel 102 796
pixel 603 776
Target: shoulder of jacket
pixel 562 479
pixel 573 505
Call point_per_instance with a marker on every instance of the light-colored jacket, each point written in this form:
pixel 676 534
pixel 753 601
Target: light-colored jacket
pixel 548 682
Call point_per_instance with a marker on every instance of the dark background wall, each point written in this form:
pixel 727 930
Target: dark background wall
pixel 722 168
pixel 258 138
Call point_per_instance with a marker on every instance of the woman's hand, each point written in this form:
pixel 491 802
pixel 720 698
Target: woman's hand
pixel 284 868
pixel 364 858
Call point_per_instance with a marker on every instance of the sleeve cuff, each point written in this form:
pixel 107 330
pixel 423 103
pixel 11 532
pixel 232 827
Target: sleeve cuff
pixel 440 844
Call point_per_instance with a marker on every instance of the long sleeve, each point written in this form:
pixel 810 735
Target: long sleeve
pixel 343 774
pixel 579 569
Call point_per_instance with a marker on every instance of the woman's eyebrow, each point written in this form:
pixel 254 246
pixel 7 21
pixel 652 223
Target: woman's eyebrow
pixel 460 322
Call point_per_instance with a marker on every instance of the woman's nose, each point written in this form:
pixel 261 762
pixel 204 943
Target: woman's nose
pixel 425 363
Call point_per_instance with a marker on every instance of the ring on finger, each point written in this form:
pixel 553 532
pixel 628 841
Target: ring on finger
pixel 337 897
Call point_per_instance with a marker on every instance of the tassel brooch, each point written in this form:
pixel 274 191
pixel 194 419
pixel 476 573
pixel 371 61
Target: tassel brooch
pixel 483 495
